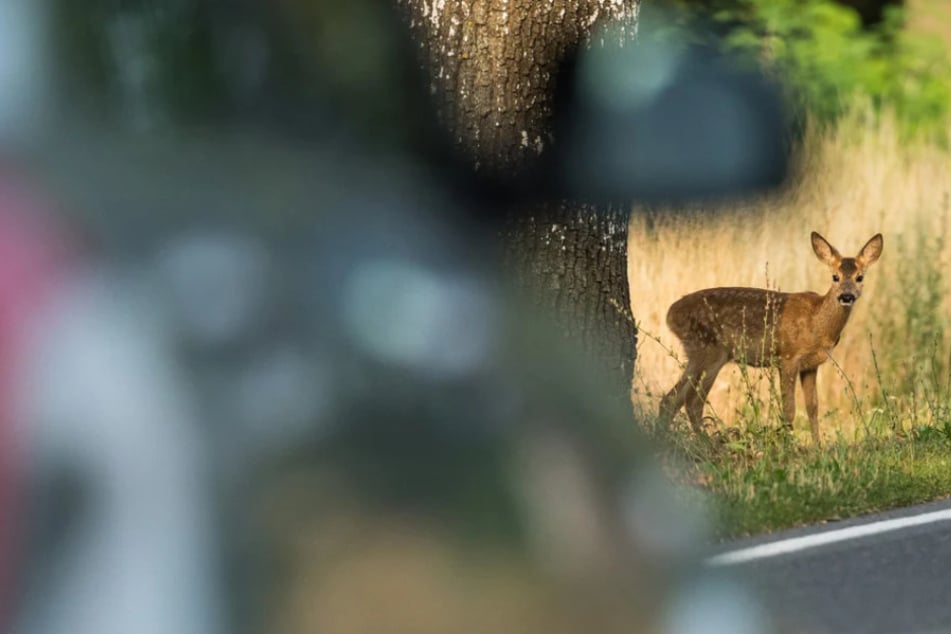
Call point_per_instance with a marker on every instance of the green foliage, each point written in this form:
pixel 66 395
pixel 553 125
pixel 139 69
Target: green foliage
pixel 831 63
pixel 841 481
pixel 762 479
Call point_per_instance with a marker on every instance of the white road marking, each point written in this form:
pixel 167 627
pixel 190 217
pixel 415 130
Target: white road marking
pixel 797 544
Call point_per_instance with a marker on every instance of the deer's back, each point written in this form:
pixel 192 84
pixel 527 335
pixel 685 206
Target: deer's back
pixel 742 320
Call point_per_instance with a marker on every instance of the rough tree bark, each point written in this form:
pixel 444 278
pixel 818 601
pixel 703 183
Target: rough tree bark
pixel 492 65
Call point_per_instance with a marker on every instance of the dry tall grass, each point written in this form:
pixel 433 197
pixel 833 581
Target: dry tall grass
pixel 858 179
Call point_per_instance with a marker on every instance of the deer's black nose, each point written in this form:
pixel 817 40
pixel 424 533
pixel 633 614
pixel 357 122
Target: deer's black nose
pixel 846 299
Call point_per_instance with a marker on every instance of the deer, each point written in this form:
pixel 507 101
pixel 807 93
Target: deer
pixel 795 332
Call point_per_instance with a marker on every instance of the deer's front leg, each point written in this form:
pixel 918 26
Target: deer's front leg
pixel 788 370
pixel 808 380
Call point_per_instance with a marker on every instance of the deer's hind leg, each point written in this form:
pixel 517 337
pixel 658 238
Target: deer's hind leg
pixel 703 365
pixel 674 399
pixel 677 396
pixel 713 362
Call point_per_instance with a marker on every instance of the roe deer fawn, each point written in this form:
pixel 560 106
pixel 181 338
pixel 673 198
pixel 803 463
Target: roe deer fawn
pixel 759 327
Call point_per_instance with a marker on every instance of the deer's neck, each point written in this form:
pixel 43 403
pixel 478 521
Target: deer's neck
pixel 832 316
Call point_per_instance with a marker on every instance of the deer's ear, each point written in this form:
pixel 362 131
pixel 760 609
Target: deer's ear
pixel 825 251
pixel 871 251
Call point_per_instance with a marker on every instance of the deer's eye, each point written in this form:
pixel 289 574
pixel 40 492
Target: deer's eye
pixel 859 278
pixel 835 278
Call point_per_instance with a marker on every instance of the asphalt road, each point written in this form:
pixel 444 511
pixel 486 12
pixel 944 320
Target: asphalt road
pixel 894 581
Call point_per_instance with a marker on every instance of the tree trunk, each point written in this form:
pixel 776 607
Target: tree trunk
pixel 574 258
pixel 492 65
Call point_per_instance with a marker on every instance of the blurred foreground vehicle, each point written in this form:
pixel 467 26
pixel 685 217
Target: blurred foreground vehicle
pixel 253 433
pixel 291 392
pixel 108 511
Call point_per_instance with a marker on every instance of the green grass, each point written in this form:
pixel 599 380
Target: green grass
pixel 761 477
pixel 766 486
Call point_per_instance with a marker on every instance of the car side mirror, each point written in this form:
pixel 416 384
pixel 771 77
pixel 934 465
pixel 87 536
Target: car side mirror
pixel 661 122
